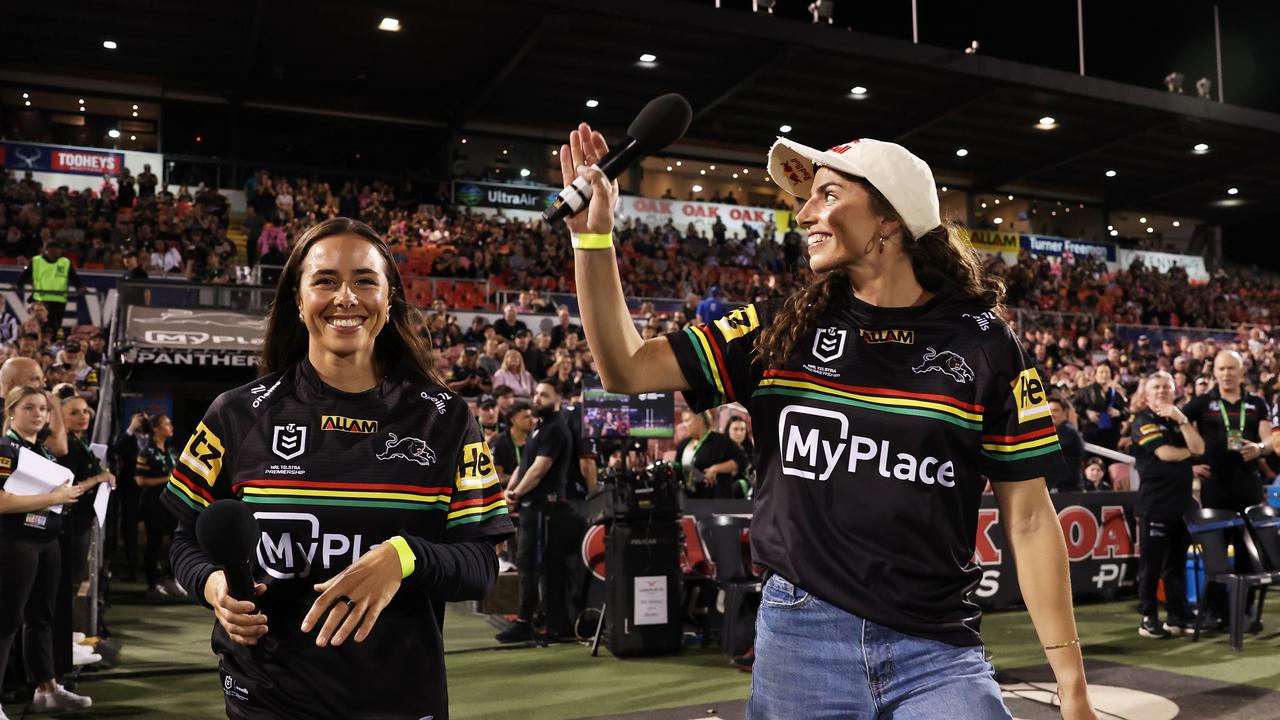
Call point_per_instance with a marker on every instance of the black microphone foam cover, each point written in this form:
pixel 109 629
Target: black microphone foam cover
pixel 662 122
pixel 227 532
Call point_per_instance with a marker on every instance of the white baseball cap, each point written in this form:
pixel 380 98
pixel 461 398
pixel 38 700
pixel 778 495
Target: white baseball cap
pixel 904 179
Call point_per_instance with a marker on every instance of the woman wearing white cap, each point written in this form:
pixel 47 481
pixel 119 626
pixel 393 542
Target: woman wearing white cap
pixel 896 390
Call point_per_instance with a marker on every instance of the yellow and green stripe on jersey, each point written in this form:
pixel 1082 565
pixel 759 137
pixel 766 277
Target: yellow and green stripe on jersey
pixel 1008 448
pixel 480 496
pixel 1149 433
pixel 710 348
pixel 934 406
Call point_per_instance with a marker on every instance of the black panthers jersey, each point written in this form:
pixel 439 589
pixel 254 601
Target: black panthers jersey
pixel 36 524
pixel 874 443
pixel 329 475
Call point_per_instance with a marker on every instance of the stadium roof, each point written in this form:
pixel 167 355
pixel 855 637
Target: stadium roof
pixel 527 67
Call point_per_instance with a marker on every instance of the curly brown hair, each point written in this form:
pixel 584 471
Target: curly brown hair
pixel 939 257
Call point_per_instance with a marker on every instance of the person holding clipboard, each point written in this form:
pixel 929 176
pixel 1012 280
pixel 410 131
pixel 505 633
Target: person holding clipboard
pixel 30 557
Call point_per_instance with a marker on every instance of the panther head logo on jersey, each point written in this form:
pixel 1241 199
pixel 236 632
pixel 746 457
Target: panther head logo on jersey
pixel 946 362
pixel 408 448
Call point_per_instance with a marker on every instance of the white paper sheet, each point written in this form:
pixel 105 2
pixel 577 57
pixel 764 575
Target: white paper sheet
pixel 36 476
pixel 651 600
pixel 100 452
pixel 100 503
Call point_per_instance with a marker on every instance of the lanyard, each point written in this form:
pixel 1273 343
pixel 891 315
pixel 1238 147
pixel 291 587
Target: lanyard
pixel 517 447
pixel 1226 419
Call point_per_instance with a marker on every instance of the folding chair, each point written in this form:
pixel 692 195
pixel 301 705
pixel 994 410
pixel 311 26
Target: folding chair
pixel 1208 530
pixel 724 533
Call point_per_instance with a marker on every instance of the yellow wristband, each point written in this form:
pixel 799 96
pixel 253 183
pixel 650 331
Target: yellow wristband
pixel 407 559
pixel 591 241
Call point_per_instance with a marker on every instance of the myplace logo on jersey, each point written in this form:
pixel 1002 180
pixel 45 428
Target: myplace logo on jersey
pixel 815 442
pixel 289 441
pixel 946 362
pixel 292 545
pixel 346 424
pixel 828 343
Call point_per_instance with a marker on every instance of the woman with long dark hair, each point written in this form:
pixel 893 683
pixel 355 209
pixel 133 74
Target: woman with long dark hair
pixel 30 557
pixel 896 390
pixel 374 492
pixel 707 461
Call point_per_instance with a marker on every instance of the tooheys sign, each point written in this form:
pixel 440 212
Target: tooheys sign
pixel 53 158
pixel 1100 531
pixel 702 214
pixel 179 336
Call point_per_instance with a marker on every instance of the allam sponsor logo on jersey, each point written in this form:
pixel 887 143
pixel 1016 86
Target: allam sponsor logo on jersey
pixel 946 362
pixel 346 424
pixel 816 442
pixel 875 337
pixel 1030 396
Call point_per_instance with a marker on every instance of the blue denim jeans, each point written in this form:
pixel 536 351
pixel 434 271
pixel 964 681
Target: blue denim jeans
pixel 818 662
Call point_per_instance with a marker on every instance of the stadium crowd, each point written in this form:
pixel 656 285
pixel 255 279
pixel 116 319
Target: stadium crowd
pixel 1095 335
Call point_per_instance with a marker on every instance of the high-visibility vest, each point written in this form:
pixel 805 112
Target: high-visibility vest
pixel 50 279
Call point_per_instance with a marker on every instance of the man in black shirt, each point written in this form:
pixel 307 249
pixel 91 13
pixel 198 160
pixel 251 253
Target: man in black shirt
pixel 1232 424
pixel 538 489
pixel 1164 441
pixel 563 326
pixel 467 378
pixel 1072 447
pixel 508 446
pixel 537 358
pixel 508 325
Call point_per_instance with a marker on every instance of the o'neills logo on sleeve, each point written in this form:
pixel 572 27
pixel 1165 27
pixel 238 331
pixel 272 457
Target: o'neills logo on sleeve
pixel 873 337
pixel 346 424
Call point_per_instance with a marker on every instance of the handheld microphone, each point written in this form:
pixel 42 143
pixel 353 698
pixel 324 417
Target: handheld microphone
pixel 662 122
pixel 228 533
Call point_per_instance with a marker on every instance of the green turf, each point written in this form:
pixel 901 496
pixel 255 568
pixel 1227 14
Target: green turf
pixel 1109 631
pixel 168 671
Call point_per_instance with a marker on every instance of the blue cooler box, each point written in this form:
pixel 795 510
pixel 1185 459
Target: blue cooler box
pixel 1273 495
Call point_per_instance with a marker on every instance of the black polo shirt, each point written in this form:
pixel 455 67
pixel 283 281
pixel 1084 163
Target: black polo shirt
pixel 1235 483
pixel 550 439
pixel 1165 491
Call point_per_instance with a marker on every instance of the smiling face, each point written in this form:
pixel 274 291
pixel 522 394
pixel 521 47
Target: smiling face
pixel 343 295
pixel 841 222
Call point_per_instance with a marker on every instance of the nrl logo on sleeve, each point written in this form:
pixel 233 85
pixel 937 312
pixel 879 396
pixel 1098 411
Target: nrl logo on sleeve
pixel 875 337
pixel 289 441
pixel 946 362
pixel 1030 396
pixel 346 424
pixel 828 343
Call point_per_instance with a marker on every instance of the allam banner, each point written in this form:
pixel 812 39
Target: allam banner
pixel 60 159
